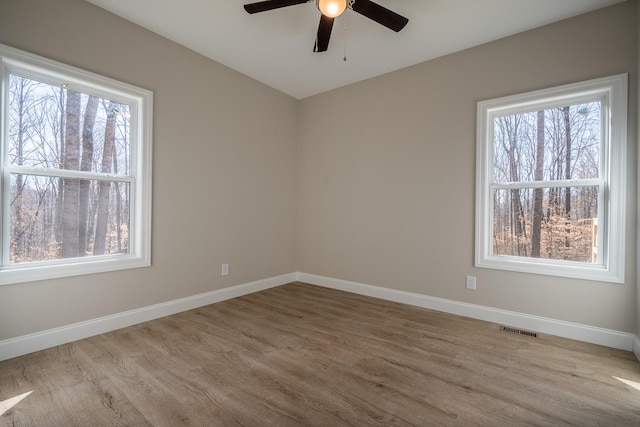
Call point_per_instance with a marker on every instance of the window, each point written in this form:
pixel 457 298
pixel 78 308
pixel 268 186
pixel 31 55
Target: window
pixel 551 170
pixel 76 171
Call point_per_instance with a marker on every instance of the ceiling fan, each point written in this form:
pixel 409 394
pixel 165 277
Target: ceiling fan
pixel 330 10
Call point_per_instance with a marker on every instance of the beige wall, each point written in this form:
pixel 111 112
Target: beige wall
pixel 386 171
pixel 223 168
pixel 381 173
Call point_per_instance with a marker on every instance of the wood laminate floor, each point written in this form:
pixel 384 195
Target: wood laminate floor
pixel 305 355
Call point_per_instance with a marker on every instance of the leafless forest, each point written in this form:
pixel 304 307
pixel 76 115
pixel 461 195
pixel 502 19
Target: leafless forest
pixel 68 163
pixel 537 212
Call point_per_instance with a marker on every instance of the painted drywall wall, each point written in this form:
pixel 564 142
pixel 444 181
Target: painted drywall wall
pixel 385 194
pixel 223 168
pixel 386 171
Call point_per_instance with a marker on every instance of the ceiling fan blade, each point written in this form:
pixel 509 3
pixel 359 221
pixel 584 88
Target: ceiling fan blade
pixel 380 14
pixel 263 6
pixel 324 34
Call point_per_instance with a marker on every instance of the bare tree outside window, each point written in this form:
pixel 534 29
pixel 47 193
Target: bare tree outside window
pixel 57 134
pixel 551 181
pixel 76 175
pixel 533 217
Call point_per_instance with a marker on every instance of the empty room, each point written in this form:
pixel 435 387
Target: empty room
pixel 324 212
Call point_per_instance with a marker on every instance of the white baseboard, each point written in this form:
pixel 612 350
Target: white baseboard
pixel 591 334
pixel 25 344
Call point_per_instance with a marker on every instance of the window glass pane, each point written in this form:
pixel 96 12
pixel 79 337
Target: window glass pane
pixel 47 222
pixel 566 140
pixel 53 127
pixel 554 223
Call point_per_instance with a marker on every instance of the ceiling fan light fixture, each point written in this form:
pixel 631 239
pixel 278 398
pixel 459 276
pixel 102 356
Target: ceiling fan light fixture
pixel 331 8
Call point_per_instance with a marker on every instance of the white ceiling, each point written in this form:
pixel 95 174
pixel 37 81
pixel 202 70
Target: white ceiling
pixel 276 47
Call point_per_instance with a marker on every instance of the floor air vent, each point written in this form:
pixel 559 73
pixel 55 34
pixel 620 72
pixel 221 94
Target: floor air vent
pixel 518 331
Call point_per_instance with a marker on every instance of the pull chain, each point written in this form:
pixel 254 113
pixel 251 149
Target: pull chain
pixel 344 58
pixel 349 6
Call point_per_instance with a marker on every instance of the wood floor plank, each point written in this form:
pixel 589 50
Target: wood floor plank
pixel 304 355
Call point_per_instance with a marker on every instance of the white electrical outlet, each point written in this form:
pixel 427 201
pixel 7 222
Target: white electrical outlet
pixel 471 282
pixel 225 269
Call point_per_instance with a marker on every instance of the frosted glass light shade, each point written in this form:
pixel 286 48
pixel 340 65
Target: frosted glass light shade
pixel 331 8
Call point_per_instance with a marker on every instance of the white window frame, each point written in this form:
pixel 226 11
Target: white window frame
pixel 612 92
pixel 141 102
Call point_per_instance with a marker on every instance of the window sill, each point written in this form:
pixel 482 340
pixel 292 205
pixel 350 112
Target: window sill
pixel 547 267
pixel 69 268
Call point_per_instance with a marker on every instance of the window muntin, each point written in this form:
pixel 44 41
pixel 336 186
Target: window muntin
pixel 76 152
pixel 551 173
